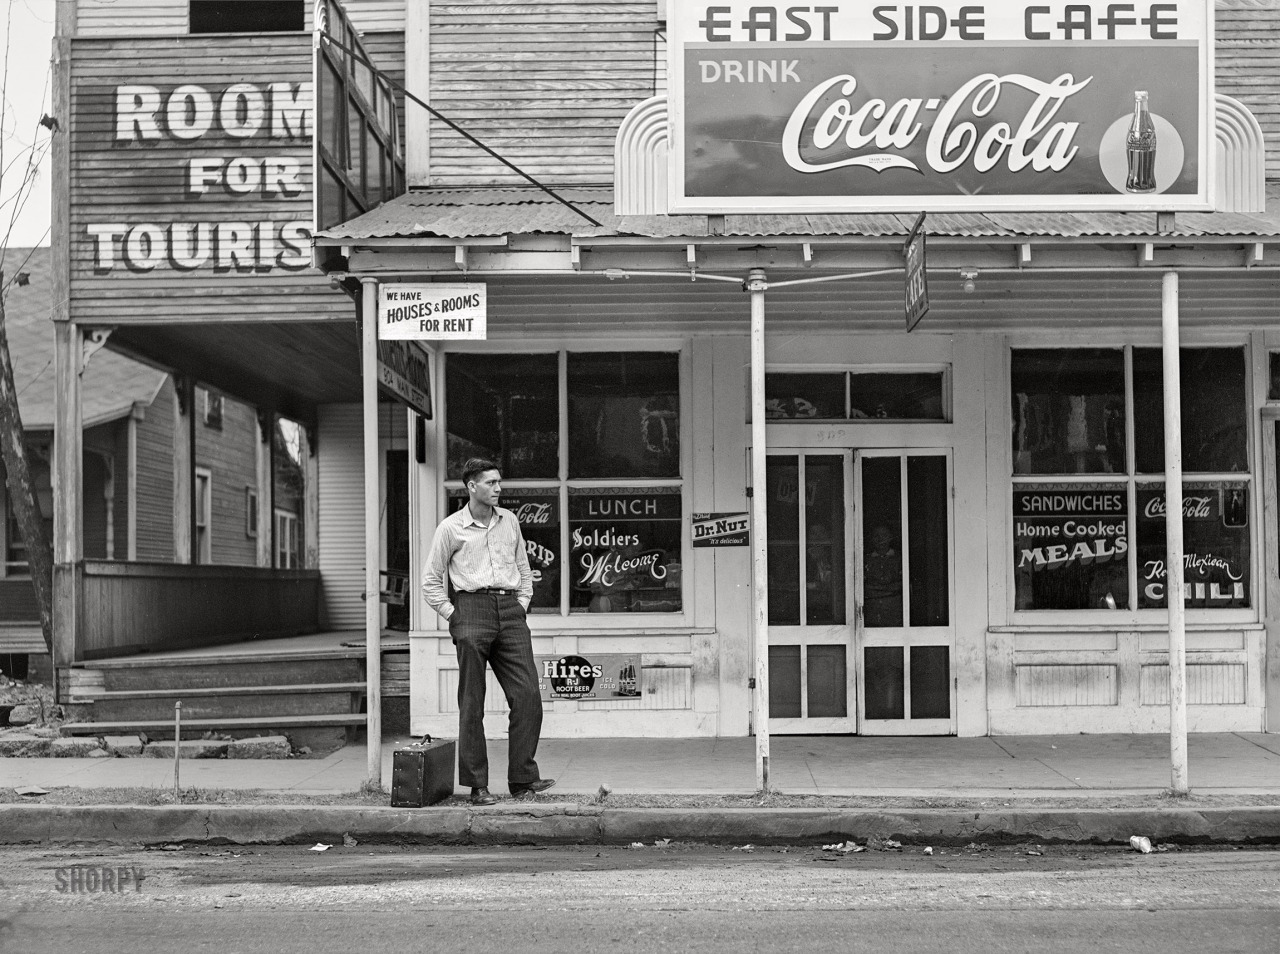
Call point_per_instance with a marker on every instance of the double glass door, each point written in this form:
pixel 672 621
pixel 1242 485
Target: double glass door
pixel 860 592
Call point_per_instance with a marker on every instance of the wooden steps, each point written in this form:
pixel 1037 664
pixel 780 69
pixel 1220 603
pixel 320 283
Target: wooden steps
pixel 204 725
pixel 254 691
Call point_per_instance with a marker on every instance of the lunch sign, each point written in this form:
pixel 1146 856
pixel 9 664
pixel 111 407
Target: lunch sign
pixel 953 105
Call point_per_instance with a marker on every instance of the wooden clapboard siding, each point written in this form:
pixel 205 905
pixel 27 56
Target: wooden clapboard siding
pixel 1248 64
pixel 135 183
pixel 230 454
pixel 544 84
pixel 160 17
pixel 120 452
pixel 155 478
pixel 340 449
pixel 131 17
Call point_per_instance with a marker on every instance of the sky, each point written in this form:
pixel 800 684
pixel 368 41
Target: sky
pixel 26 33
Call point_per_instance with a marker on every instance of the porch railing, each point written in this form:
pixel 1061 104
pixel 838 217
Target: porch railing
pixel 126 608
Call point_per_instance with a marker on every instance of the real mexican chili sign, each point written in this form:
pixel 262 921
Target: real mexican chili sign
pixel 1009 105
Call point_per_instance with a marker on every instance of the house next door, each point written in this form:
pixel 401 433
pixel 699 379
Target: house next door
pixel 860 593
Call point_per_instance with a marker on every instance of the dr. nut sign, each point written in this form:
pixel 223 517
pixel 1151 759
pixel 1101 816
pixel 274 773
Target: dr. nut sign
pixel 950 105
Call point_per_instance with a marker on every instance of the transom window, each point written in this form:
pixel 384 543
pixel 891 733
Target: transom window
pixel 589 447
pixel 1088 492
pixel 247 16
pixel 871 394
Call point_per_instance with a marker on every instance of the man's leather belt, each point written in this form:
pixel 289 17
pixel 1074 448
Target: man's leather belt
pixel 493 590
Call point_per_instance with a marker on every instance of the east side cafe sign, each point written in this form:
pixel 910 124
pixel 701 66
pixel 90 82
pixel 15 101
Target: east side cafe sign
pixel 1009 105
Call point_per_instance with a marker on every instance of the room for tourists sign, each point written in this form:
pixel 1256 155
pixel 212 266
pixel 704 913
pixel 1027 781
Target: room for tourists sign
pixel 948 106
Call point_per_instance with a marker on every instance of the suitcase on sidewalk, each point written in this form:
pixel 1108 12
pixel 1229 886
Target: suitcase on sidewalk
pixel 423 773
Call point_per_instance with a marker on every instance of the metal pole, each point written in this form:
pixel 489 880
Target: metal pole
pixel 177 746
pixel 372 558
pixel 757 285
pixel 1174 574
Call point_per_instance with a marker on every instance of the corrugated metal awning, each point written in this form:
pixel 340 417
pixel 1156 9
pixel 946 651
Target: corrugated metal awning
pixel 476 213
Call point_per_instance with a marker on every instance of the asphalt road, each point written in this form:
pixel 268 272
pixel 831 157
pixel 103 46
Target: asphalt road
pixel 674 898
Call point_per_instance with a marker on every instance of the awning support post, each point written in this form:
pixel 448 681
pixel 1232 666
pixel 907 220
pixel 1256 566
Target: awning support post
pixel 757 285
pixel 1174 576
pixel 372 558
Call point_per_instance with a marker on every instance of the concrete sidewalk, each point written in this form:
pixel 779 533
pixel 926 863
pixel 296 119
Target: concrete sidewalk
pixel 1050 767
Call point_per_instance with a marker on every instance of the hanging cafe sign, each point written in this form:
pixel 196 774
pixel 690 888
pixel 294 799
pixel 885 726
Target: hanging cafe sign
pixel 858 107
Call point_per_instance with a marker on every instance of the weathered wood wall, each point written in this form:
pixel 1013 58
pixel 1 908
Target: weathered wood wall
pixel 139 207
pixel 1248 64
pixel 230 454
pixel 155 478
pixel 544 84
pixel 169 17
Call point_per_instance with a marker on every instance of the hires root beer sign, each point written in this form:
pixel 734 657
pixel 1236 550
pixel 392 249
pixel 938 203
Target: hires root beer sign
pixel 950 106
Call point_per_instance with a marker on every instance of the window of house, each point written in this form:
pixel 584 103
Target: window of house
pixel 251 512
pixel 12 547
pixel 883 395
pixel 286 540
pixel 1088 492
pixel 213 410
pixel 247 16
pixel 203 543
pixel 15 551
pixel 589 446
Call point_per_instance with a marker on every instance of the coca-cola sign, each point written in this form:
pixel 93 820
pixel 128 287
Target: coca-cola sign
pixel 947 106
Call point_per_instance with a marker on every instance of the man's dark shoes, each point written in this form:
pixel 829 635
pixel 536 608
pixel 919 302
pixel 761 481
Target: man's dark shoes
pixel 525 791
pixel 482 796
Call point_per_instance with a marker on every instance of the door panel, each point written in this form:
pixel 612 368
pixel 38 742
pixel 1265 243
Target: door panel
pixel 811 684
pixel 905 638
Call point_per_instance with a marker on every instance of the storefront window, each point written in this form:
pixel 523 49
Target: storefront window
pixel 624 415
pixel 1068 411
pixel 609 538
pixel 1073 540
pixel 624 549
pixel 504 407
pixel 538 512
pixel 1214 436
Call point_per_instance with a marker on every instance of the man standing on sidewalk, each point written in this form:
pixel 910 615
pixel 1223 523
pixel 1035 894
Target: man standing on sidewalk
pixel 482 550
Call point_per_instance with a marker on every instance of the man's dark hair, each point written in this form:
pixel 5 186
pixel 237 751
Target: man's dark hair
pixel 476 466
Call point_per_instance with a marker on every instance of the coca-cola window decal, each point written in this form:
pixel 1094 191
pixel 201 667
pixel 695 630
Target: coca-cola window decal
pixel 505 408
pixel 624 550
pixel 1068 411
pixel 624 415
pixel 1214 410
pixel 1215 544
pixel 539 514
pixel 1070 546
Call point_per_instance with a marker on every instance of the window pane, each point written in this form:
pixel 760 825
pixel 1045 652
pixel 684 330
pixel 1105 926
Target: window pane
pixel 897 396
pixel 824 540
pixel 883 682
pixel 1214 410
pixel 624 415
pixel 930 682
pixel 804 396
pixel 784 682
pixel 625 550
pixel 1215 534
pixel 539 514
pixel 928 553
pixel 1068 411
pixel 782 478
pixel 882 541
pixel 1069 547
pixel 1273 388
pixel 506 408
pixel 828 687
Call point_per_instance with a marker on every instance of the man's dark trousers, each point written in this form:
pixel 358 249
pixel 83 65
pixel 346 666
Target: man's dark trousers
pixel 491 628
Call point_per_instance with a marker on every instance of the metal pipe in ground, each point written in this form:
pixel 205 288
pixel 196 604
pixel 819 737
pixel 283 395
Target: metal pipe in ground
pixel 177 747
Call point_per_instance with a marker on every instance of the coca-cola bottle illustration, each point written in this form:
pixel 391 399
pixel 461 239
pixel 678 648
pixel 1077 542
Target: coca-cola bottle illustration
pixel 1140 146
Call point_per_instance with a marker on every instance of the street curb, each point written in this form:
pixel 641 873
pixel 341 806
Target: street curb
pixel 567 824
